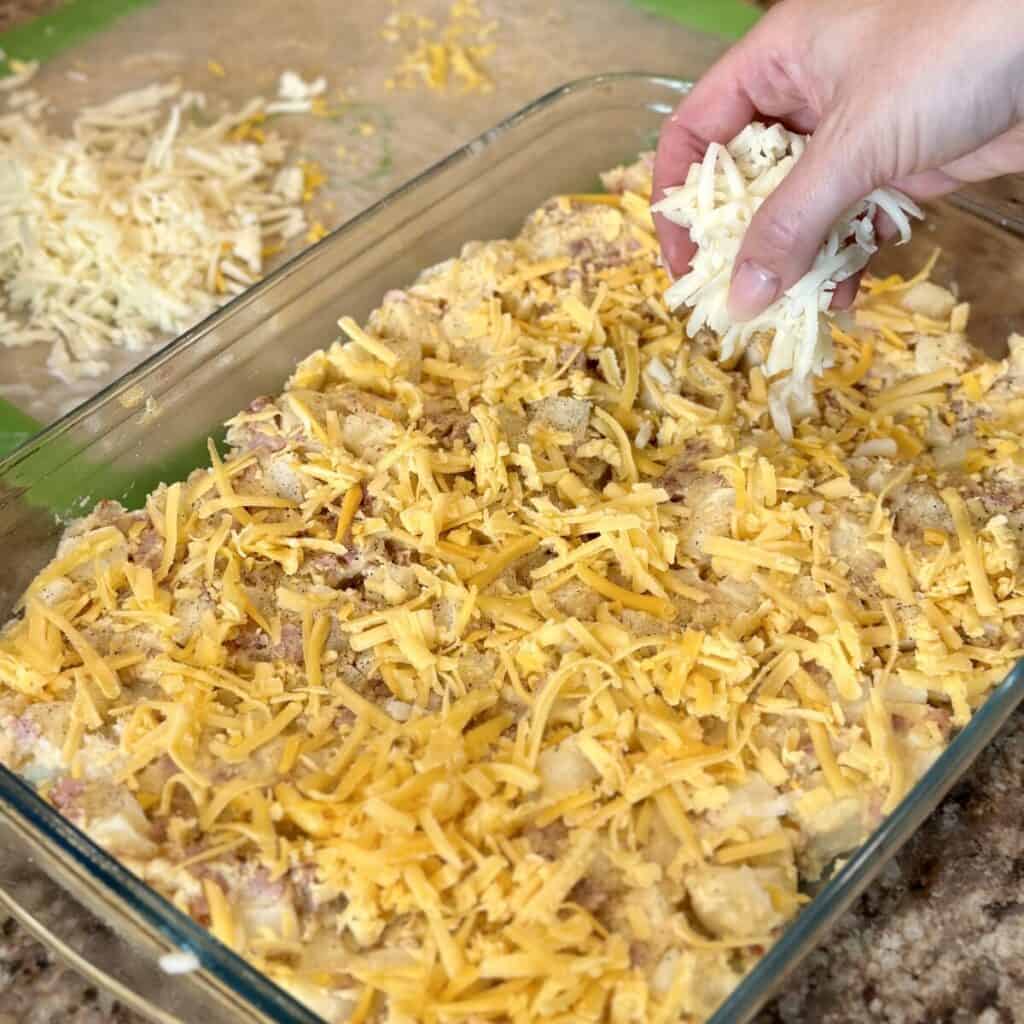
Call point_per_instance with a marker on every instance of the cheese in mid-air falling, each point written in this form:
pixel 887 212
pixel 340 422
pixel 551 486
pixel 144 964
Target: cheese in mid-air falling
pixel 508 666
pixel 716 205
pixel 148 213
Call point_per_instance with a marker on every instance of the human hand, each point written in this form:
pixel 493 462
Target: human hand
pixel 920 95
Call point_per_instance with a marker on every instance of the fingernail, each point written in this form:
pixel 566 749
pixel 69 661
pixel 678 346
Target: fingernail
pixel 753 290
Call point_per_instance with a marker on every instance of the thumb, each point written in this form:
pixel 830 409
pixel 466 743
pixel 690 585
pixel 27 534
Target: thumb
pixel 789 228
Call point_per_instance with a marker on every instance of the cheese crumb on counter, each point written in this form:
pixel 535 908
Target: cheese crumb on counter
pixel 147 215
pixel 21 73
pixel 508 666
pixel 716 204
pixel 296 96
pixel 452 54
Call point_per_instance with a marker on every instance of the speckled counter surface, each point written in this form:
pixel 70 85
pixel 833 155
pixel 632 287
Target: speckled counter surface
pixel 938 939
pixel 35 988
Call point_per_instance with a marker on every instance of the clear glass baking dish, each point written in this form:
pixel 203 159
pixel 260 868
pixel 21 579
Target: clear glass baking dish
pixel 152 425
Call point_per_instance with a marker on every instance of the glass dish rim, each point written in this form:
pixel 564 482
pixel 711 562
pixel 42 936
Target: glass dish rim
pixel 19 801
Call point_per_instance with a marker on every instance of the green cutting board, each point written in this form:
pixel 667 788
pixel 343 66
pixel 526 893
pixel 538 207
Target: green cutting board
pixel 729 18
pixel 15 427
pixel 73 21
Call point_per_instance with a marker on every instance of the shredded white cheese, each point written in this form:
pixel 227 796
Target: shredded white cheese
pixel 717 204
pixel 141 220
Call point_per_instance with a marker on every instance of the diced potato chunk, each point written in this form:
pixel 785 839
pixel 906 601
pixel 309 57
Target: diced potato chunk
pixel 929 299
pixel 732 901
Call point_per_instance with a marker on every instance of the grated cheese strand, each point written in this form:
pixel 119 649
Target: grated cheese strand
pixel 980 585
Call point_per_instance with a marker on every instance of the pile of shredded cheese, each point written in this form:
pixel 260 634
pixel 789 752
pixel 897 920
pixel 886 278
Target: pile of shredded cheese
pixel 452 54
pixel 509 666
pixel 145 217
pixel 717 203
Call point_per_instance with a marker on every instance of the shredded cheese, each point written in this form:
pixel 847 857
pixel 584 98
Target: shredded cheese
pixel 142 219
pixel 717 203
pixel 440 57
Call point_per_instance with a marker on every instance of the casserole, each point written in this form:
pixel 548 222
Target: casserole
pixel 110 449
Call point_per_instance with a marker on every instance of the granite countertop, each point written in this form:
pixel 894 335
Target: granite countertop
pixel 36 988
pixel 938 938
